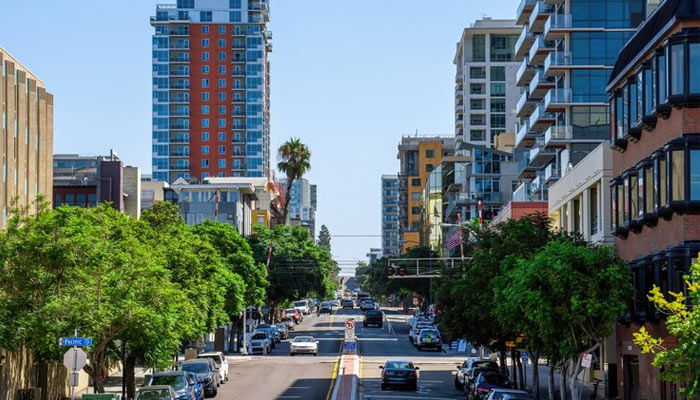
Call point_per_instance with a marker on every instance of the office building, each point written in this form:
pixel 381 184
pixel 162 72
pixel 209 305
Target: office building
pixel 302 205
pixel 27 132
pixel 374 255
pixel 418 157
pixel 485 90
pixel 390 216
pixel 211 89
pixel 654 92
pixel 566 50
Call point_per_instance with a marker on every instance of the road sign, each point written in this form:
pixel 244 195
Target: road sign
pixel 349 346
pixel 349 324
pixel 510 343
pixel 524 356
pixel 586 361
pixel 75 359
pixel 75 341
pixel 349 329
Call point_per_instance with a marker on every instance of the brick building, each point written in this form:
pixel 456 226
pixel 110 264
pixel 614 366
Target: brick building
pixel 654 92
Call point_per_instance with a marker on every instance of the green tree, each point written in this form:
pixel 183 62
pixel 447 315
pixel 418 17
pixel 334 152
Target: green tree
pixel 324 238
pixel 294 160
pixel 680 363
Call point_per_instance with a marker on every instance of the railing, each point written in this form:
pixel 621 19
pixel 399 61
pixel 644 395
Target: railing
pixel 179 86
pixel 179 72
pixel 180 154
pixel 558 21
pixel 539 113
pixel 522 133
pixel 180 114
pixel 179 166
pixel 522 193
pixel 179 126
pixel 540 45
pixel 180 45
pixel 558 132
pixel 179 59
pixel 558 59
pixel 551 171
pixel 523 4
pixel 179 99
pixel 524 35
pixel 179 140
pixel 521 102
pixel 539 79
pixel 524 66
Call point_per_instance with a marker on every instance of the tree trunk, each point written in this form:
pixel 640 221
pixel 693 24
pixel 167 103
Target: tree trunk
pixel 521 378
pixel 562 382
pixel 287 198
pixel 502 358
pixel 96 376
pixel 129 375
pixel 513 368
pixel 575 370
pixel 550 380
pixel 535 357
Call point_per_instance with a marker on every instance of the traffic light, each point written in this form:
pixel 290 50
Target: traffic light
pixel 389 271
pixel 402 271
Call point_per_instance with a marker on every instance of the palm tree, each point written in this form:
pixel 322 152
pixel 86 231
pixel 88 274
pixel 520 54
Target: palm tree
pixel 294 160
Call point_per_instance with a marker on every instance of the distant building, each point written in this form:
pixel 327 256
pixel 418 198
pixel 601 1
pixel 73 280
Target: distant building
pixel 390 216
pixel 27 135
pixel 374 255
pixel 302 205
pixel 85 181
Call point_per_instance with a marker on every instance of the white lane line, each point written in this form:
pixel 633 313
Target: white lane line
pixel 391 396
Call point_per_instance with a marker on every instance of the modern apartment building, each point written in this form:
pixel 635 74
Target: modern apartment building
pixel 390 216
pixel 27 135
pixel 566 50
pixel 211 89
pixel 418 157
pixel 302 205
pixel 485 90
pixel 654 93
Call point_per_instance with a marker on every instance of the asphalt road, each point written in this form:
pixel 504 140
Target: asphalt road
pixel 436 374
pixel 280 376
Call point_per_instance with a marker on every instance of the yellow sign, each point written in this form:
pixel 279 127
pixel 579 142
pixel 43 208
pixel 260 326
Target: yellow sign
pixel 510 343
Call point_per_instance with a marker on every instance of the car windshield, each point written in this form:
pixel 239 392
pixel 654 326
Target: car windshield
pixel 429 332
pixel 485 364
pixel 176 381
pixel 423 326
pixel 299 304
pixel 281 327
pixel 290 311
pixel 398 365
pixel 494 379
pixel 374 313
pixel 286 320
pixel 325 304
pixel 214 358
pixel 154 394
pixel 198 367
pixel 259 336
pixel 304 339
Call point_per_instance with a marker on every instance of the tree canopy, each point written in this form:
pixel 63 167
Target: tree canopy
pixel 294 161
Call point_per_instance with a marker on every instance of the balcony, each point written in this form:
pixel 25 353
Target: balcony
pixel 525 7
pixel 180 59
pixel 179 99
pixel 453 209
pixel 557 26
pixel 180 113
pixel 540 85
pixel 540 120
pixel 557 63
pixel 179 127
pixel 179 140
pixel 539 50
pixel 522 193
pixel 180 86
pixel 558 99
pixel 538 17
pixel 541 155
pixel 180 45
pixel 525 106
pixel 459 108
pixel 551 172
pixel 459 120
pixel 524 42
pixel 179 154
pixel 559 136
pixel 537 186
pixel 459 77
pixel 524 74
pixel 525 170
pixel 525 137
pixel 553 2
pixel 179 167
pixel 179 72
pixel 459 91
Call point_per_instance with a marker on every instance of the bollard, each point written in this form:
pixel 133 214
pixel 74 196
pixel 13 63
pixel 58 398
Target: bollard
pixel 264 350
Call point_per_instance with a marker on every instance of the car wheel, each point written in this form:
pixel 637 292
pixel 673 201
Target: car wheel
pixel 383 387
pixel 292 354
pixel 458 385
pixel 414 387
pixel 315 354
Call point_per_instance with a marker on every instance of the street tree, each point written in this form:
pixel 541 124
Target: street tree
pixel 294 160
pixel 680 363
pixel 324 238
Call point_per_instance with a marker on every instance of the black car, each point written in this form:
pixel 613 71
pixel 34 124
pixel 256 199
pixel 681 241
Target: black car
pixel 399 374
pixel 325 307
pixel 373 317
pixel 347 303
pixel 484 382
pixel 202 369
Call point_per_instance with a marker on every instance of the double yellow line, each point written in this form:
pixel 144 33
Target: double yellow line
pixel 337 361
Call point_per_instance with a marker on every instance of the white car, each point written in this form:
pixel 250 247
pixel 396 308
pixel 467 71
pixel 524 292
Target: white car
pixel 415 330
pixel 304 345
pixel 259 342
pixel 220 361
pixel 302 306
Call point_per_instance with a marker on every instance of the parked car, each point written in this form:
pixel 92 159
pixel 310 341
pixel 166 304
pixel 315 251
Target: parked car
pixel 270 335
pixel 182 383
pixel 415 331
pixel 500 393
pixel 294 314
pixel 302 306
pixel 399 374
pixel 282 329
pixel 335 303
pixel 480 387
pixel 475 367
pixel 303 345
pixel 156 392
pixel 276 335
pixel 347 303
pixel 198 385
pixel 288 322
pixel 516 396
pixel 204 372
pixel 220 362
pixel 373 317
pixel 325 307
pixel 469 364
pixel 258 342
pixel 429 339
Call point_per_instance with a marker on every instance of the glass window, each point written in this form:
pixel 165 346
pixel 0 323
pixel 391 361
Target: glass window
pixel 625 201
pixel 662 78
pixel 205 149
pixel 70 199
pixel 694 68
pixel 632 90
pixel 205 110
pixel 479 48
pixel 619 117
pixel 590 122
pixel 498 74
pixel 694 175
pixel 415 196
pixel 222 149
pixel 205 29
pixel 415 181
pixel 502 47
pixel 477 72
pixel 498 105
pixel 205 69
pixel 649 189
pixel 205 136
pixel 205 42
pixel 498 89
pixel 80 199
pixel 429 153
pixel 613 207
pixel 477 135
pixel 640 193
pixel 620 205
pixel 677 68
pixel 663 187
pixel 648 91
pixel 633 193
pixel 222 163
pixel 222 42
pixel 205 163
pixel 677 174
pixel 498 120
pixel 640 98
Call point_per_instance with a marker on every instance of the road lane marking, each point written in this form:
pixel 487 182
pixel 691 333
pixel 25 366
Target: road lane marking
pixel 333 377
pixel 391 396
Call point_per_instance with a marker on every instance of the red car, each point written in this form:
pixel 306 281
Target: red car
pixel 295 314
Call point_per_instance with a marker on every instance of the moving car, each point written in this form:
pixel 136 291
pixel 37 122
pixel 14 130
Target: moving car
pixel 303 345
pixel 260 343
pixel 156 392
pixel 282 329
pixel 220 363
pixel 415 331
pixel 484 382
pixel 294 314
pixel 204 372
pixel 182 383
pixel 373 317
pixel 399 373
pixel 326 307
pixel 429 339
pixel 367 304
pixel 500 393
pixel 302 306
pixel 288 322
pixel 347 303
pixel 335 303
pixel 469 364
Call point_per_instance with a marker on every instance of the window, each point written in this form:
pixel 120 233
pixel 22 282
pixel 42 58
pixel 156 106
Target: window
pixel 205 69
pixel 429 153
pixel 234 16
pixel 222 83
pixel 677 173
pixel 205 96
pixel 477 88
pixel 205 56
pixel 632 91
pixel 498 89
pixel 222 163
pixel 498 105
pixel 205 83
pixel 619 117
pixel 205 123
pixel 415 210
pixel 222 149
pixel 498 120
pixel 415 182
pixel 662 78
pixel 694 67
pixel 633 195
pixel 222 123
pixel 205 29
pixel 502 47
pixel 477 135
pixel 677 69
pixel 205 43
pixel 415 196
pixel 205 163
pixel 477 72
pixel 649 87
pixel 477 119
pixel 222 69
pixel 205 16
pixel 648 189
pixel 479 48
pixel 205 149
pixel 477 104
pixel 222 56
pixel 222 109
pixel 222 42
pixel 205 136
pixel 222 96
pixel 222 136
pixel 498 74
pixel 205 110
pixel 593 209
pixel 613 207
pixel 429 167
pixel 694 175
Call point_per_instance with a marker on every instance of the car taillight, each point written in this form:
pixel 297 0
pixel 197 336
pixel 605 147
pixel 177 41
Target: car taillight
pixel 482 389
pixel 412 373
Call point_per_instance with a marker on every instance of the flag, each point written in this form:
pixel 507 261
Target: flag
pixel 454 240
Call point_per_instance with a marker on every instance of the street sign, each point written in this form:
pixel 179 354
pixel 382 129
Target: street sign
pixel 75 359
pixel 586 361
pixel 349 346
pixel 75 341
pixel 349 330
pixel 349 324
pixel 524 356
pixel 510 343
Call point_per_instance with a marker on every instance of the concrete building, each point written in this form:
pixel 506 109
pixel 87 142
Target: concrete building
pixel 211 89
pixel 418 157
pixel 374 255
pixel 654 92
pixel 154 191
pixel 566 51
pixel 302 205
pixel 85 181
pixel 390 216
pixel 27 132
pixel 485 90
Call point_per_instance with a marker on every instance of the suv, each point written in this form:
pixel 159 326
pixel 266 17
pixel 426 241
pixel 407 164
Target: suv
pixel 366 304
pixel 415 330
pixel 204 372
pixel 347 303
pixel 182 383
pixel 302 306
pixel 220 363
pixel 429 338
pixel 373 317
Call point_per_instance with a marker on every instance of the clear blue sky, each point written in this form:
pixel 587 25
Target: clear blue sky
pixel 349 77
